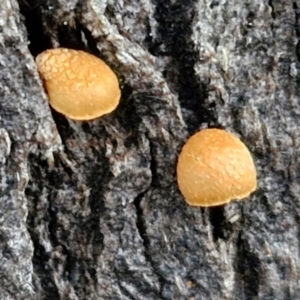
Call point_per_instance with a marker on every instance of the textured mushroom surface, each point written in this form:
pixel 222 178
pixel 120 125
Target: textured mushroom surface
pixel 79 85
pixel 215 167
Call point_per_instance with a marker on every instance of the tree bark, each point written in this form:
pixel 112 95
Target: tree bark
pixel 92 210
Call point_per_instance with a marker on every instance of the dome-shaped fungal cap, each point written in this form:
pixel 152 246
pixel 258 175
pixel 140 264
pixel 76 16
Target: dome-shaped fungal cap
pixel 79 85
pixel 215 167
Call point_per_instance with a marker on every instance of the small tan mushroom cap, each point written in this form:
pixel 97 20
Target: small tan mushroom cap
pixel 215 167
pixel 79 85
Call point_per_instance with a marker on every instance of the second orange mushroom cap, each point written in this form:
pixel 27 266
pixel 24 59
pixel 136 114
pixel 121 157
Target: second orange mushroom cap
pixel 79 85
pixel 215 167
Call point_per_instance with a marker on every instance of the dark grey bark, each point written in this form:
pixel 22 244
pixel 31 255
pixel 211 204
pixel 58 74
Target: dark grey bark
pixel 91 210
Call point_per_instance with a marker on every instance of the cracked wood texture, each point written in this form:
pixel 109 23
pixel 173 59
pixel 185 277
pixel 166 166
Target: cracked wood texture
pixel 91 210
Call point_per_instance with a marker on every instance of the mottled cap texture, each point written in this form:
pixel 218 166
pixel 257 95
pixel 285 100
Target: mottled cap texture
pixel 79 85
pixel 215 167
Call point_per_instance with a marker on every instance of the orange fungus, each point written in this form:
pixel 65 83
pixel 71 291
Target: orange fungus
pixel 79 85
pixel 215 167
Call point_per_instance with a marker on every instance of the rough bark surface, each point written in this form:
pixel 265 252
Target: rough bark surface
pixel 91 210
